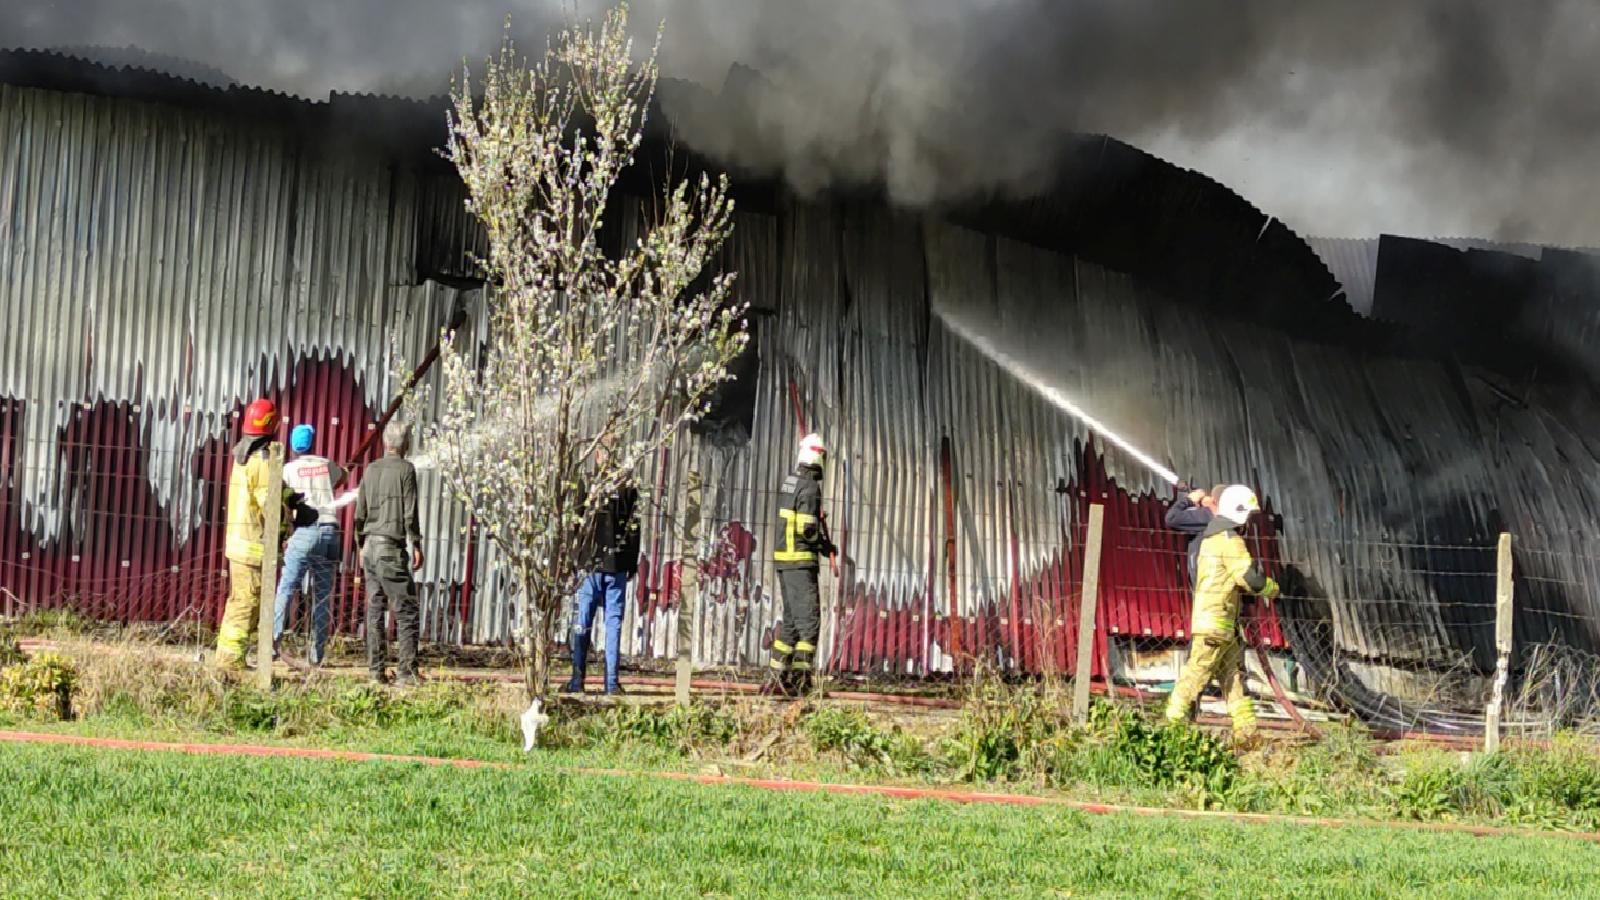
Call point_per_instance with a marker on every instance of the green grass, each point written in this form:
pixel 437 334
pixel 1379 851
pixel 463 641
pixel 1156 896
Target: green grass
pixel 110 823
pixel 1006 737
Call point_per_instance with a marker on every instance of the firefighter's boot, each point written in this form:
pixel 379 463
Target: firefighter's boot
pixel 800 668
pixel 779 674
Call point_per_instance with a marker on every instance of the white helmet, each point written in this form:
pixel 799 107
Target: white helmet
pixel 1237 503
pixel 811 450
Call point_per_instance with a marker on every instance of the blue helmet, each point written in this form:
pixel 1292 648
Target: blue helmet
pixel 301 437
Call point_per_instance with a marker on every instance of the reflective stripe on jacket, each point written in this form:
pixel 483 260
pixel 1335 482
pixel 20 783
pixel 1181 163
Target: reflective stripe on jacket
pixel 1224 572
pixel 799 520
pixel 247 501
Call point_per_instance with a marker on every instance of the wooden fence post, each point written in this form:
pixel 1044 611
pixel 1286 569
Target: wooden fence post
pixel 1088 600
pixel 947 476
pixel 269 565
pixel 688 589
pixel 1502 644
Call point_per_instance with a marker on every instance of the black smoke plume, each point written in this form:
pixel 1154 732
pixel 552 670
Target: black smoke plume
pixel 1344 117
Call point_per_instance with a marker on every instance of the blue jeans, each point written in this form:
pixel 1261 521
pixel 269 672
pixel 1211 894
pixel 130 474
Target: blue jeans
pixel 611 589
pixel 313 550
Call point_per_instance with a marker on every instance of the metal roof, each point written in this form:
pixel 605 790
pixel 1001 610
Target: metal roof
pixel 1354 263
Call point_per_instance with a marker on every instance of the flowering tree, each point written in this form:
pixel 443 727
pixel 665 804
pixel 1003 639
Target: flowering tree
pixel 584 349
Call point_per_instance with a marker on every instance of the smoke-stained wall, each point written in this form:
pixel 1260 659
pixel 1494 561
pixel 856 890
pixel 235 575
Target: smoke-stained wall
pixel 162 266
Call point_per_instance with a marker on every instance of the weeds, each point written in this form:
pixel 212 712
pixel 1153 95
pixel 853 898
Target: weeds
pixel 320 707
pixel 1167 755
pixel 1341 774
pixel 1559 688
pixel 62 621
pixel 1001 730
pixel 10 653
pixel 1014 734
pixel 1437 785
pixel 42 686
pixel 848 733
pixel 144 686
pixel 1554 787
pixel 1567 776
pixel 688 730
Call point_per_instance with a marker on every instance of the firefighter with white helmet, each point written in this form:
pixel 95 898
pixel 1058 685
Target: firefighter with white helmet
pixel 801 543
pixel 1224 573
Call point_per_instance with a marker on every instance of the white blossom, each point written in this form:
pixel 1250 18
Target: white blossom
pixel 583 348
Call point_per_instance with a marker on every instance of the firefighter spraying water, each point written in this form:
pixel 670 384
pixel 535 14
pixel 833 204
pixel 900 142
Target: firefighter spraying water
pixel 1219 563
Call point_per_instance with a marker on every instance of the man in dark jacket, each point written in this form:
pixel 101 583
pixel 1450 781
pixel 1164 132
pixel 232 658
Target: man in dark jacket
pixel 386 528
pixel 614 560
pixel 801 544
pixel 1190 514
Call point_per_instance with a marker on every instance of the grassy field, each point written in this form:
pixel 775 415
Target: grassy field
pixel 1006 737
pixel 104 823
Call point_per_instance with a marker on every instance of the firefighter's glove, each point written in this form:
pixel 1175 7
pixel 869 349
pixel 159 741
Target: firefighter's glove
pixel 1270 590
pixel 828 548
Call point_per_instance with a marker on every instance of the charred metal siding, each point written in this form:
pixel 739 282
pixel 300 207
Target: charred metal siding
pixel 1354 263
pixel 161 266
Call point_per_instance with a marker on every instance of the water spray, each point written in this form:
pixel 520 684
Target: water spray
pixel 1039 383
pixel 492 429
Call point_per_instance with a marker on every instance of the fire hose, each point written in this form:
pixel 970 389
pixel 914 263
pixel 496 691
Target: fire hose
pixel 1043 386
pixel 458 317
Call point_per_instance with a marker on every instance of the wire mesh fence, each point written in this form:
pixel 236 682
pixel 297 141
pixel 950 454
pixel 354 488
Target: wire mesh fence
pixel 1397 630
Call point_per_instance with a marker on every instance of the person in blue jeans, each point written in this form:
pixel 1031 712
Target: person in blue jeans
pixel 614 562
pixel 312 549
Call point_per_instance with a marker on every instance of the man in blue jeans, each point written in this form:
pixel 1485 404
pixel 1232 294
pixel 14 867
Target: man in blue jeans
pixel 615 560
pixel 312 549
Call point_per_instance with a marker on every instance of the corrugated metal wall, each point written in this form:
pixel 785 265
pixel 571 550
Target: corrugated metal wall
pixel 162 267
pixel 159 269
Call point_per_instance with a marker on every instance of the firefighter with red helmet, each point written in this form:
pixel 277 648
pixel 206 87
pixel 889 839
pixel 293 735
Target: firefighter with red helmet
pixel 248 500
pixel 801 543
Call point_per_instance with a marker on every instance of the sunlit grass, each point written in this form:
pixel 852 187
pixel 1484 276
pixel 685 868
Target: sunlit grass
pixel 118 823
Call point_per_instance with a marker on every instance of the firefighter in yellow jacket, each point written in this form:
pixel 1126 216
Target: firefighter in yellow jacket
pixel 248 483
pixel 1224 573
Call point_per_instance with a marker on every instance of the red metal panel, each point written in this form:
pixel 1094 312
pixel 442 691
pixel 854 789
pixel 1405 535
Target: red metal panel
pixel 129 564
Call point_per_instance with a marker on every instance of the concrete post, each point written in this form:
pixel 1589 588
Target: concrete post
pixel 1502 644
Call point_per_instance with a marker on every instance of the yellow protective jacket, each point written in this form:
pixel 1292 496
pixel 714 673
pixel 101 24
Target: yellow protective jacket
pixel 247 501
pixel 1223 572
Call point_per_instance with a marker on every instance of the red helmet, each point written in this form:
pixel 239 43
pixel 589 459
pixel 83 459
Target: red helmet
pixel 260 417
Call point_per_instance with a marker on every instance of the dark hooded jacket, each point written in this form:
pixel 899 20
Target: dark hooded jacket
pixel 802 536
pixel 616 534
pixel 1190 518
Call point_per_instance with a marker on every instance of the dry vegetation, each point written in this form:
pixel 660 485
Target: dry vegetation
pixel 1018 736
